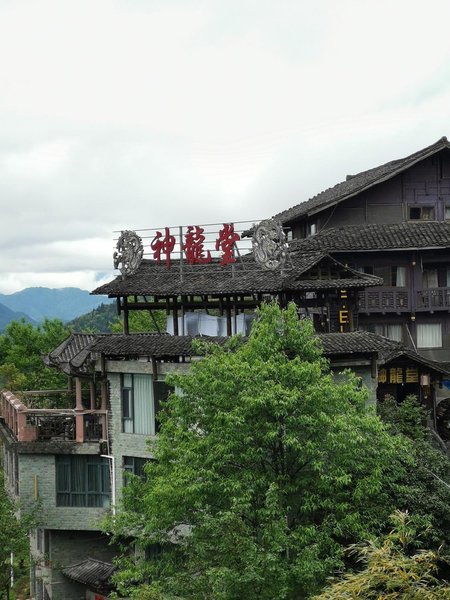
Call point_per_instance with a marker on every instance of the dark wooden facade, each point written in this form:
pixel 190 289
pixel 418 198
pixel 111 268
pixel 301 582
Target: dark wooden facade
pixel 394 222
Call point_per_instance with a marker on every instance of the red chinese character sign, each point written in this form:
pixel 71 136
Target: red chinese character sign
pixel 226 242
pixel 163 245
pixel 194 246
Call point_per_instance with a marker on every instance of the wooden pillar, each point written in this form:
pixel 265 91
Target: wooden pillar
pixel 78 394
pixel 79 416
pixel 229 331
pixel 104 395
pixel 92 394
pixel 126 328
pixel 175 316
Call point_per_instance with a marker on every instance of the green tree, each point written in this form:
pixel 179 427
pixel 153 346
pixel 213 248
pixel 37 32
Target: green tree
pixel 394 569
pixel 13 538
pixel 424 490
pixel 266 470
pixel 140 321
pixel 21 348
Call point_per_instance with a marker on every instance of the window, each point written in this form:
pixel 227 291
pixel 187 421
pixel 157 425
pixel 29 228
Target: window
pixel 430 278
pixel 393 331
pixel 82 480
pixel 135 466
pixel 141 400
pixel 421 213
pixel 447 212
pixel 429 335
pixel 311 229
pixel 398 276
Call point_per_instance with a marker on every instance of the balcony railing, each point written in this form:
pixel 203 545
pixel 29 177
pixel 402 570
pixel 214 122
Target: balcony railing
pixel 400 300
pixel 51 424
pixel 384 300
pixel 433 299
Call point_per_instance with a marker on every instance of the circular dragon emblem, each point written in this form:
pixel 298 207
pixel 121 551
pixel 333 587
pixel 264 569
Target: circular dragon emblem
pixel 270 246
pixel 129 253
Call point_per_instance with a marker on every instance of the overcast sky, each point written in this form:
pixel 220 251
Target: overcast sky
pixel 131 114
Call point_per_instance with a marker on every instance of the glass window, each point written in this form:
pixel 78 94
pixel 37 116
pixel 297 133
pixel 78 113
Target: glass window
pixel 398 276
pixel 393 331
pixel 141 403
pixel 82 480
pixel 430 278
pixel 447 212
pixel 429 335
pixel 134 465
pixel 421 213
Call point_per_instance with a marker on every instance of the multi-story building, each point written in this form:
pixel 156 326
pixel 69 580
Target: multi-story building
pixel 68 465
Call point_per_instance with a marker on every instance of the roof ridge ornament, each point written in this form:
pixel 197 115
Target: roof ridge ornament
pixel 269 243
pixel 129 253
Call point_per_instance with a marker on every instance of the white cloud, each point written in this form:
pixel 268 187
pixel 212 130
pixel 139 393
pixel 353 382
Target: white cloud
pixel 132 114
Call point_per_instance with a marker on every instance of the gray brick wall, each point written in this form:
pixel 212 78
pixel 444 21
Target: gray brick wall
pixel 129 444
pixel 68 548
pixel 48 515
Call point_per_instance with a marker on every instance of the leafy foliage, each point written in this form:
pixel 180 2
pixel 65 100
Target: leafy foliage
pixel 425 488
pixel 97 321
pixel 266 470
pixel 21 348
pixel 141 321
pixel 394 569
pixel 13 536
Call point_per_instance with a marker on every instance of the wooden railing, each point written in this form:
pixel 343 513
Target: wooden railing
pixel 384 300
pixel 399 300
pixel 51 424
pixel 433 299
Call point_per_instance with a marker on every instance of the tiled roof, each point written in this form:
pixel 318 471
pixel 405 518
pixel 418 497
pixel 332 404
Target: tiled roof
pixel 246 277
pixel 70 356
pixel 440 367
pixel 358 183
pixel 91 573
pixel 148 344
pixel 392 236
pixel 356 342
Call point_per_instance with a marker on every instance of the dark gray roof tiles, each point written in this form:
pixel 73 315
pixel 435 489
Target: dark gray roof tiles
pixel 392 236
pixel 245 278
pixel 358 183
pixel 71 355
pixel 164 345
pixel 356 342
pixel 91 573
pixel 148 344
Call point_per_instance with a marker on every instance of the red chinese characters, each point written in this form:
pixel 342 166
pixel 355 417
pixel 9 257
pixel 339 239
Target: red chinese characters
pixel 194 246
pixel 163 245
pixel 225 242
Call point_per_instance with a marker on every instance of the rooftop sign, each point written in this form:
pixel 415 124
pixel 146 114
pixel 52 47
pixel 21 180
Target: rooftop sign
pixel 221 244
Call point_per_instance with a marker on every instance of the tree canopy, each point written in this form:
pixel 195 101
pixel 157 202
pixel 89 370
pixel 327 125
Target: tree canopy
pixel 13 537
pixel 21 348
pixel 394 568
pixel 266 469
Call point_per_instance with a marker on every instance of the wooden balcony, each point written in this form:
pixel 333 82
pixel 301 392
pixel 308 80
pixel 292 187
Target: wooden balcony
pixel 392 300
pixel 399 300
pixel 51 424
pixel 433 299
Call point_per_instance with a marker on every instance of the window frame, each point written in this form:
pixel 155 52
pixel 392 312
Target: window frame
pixel 420 208
pixel 87 496
pixel 419 326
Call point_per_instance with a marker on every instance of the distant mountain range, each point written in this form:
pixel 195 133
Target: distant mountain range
pixel 37 303
pixel 7 315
